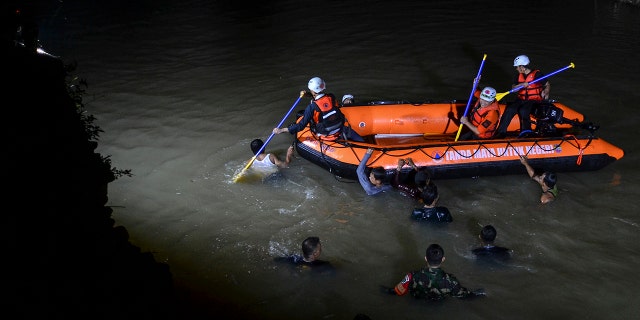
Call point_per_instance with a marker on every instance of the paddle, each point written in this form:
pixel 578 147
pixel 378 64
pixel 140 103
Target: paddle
pixel 235 179
pixel 473 90
pixel 501 95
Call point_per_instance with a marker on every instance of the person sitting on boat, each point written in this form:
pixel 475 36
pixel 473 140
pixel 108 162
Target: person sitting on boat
pixel 413 182
pixel 268 161
pixel 323 115
pixel 547 181
pixel 527 96
pixel 375 181
pixel 488 249
pixel 347 100
pixel 484 116
pixel 431 212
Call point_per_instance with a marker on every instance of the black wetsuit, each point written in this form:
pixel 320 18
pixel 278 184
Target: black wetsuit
pixel 298 261
pixel 494 252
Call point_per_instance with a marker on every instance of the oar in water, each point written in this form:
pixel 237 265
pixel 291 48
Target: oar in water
pixel 473 90
pixel 503 94
pixel 241 173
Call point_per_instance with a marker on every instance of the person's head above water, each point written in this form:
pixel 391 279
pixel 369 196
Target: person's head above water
pixel 488 233
pixel 256 144
pixel 550 179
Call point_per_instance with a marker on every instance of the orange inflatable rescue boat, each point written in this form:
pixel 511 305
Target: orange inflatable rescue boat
pixel 426 132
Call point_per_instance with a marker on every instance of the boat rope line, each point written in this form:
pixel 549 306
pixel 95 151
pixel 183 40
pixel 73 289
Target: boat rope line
pixel 323 147
pixel 580 150
pixel 460 151
pixel 506 151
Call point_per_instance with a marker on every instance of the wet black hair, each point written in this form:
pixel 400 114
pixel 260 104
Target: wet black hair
pixel 422 178
pixel 434 254
pixel 379 173
pixel 256 145
pixel 309 246
pixel 488 233
pixel 550 179
pixel 430 193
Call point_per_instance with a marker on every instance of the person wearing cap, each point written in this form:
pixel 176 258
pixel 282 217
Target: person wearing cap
pixel 526 97
pixel 347 99
pixel 413 182
pixel 547 181
pixel 323 115
pixel 484 116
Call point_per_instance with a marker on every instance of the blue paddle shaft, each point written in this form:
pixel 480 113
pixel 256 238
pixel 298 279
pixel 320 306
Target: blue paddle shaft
pixel 542 78
pixel 279 125
pixel 475 84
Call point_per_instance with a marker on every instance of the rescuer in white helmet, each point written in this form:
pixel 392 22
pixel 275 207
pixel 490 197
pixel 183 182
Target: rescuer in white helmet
pixel 484 116
pixel 323 115
pixel 347 99
pixel 527 97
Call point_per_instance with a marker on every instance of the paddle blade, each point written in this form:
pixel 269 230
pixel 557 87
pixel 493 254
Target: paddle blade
pixel 242 172
pixel 499 96
pixel 240 177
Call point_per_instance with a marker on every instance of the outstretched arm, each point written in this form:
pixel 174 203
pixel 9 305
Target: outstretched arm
pixel 366 184
pixel 530 171
pixel 287 159
pixel 411 164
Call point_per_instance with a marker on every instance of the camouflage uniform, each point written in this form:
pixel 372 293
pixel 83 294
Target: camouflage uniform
pixel 433 284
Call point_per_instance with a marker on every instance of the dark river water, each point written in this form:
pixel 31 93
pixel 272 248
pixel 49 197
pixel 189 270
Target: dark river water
pixel 180 89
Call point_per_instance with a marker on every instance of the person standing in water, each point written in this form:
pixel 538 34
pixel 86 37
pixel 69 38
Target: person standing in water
pixel 431 282
pixel 488 249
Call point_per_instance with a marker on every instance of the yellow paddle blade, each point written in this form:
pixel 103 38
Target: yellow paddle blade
pixel 242 172
pixel 499 96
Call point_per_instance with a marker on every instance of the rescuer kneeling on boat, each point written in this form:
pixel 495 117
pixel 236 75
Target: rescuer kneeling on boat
pixel 323 115
pixel 484 116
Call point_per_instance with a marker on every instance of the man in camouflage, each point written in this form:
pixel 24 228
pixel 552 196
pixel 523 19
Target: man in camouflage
pixel 431 282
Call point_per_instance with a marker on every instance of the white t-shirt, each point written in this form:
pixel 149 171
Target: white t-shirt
pixel 265 165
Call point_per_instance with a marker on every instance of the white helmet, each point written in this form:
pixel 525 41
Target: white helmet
pixel 488 94
pixel 347 96
pixel 316 85
pixel 521 60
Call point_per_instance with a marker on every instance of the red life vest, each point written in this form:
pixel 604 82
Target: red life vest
pixel 328 119
pixel 478 119
pixel 533 91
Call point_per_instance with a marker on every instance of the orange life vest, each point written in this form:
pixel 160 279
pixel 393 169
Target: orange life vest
pixel 328 119
pixel 533 91
pixel 478 119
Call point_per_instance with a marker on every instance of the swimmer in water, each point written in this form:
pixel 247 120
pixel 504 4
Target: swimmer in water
pixel 547 181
